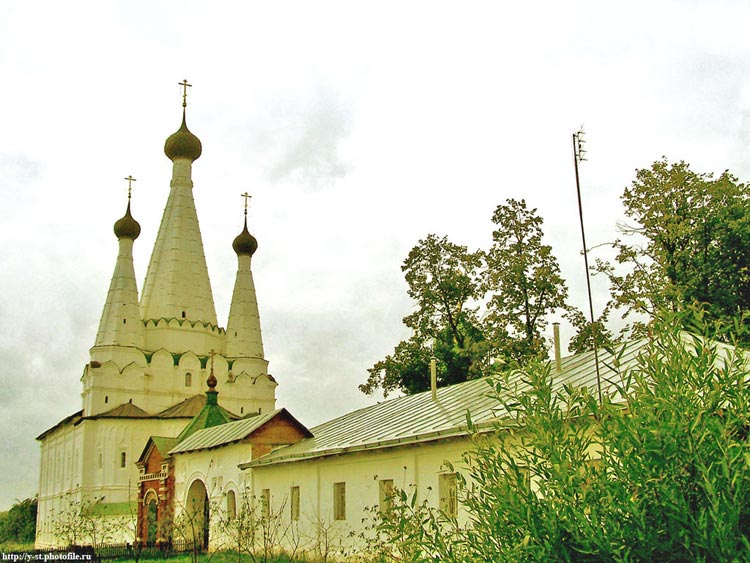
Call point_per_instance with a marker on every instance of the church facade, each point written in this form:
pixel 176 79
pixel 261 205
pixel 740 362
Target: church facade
pixel 151 357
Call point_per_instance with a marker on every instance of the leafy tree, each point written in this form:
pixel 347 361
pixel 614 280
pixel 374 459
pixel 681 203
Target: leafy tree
pixel 469 337
pixel 686 244
pixel 582 341
pixel 524 279
pixel 18 525
pixel 444 281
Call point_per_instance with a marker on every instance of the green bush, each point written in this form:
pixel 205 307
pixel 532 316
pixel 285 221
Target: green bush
pixel 18 525
pixel 660 471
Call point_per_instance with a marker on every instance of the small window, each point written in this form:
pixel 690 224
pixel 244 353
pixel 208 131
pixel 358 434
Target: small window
pixel 231 505
pixel 265 503
pixel 188 379
pixel 385 495
pixel 106 399
pixel 123 459
pixel 183 314
pixel 242 410
pixel 124 321
pixel 100 460
pixel 294 504
pixel 447 490
pixel 339 501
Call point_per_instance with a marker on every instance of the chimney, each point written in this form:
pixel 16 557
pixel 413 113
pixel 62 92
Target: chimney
pixel 433 377
pixel 558 363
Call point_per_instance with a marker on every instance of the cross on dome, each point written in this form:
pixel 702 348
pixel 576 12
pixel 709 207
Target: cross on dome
pixel 246 196
pixel 185 86
pixel 130 180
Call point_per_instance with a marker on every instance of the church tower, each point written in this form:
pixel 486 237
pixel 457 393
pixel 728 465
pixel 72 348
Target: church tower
pixel 149 358
pixel 155 354
pixel 243 338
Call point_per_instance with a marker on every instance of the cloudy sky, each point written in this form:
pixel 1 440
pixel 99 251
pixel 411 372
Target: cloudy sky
pixel 358 127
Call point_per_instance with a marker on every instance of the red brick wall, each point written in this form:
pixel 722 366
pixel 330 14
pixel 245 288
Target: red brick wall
pixel 278 431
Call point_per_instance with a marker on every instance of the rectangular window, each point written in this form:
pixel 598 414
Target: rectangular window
pixel 265 503
pixel 339 501
pixel 123 459
pixel 447 490
pixel 385 495
pixel 294 503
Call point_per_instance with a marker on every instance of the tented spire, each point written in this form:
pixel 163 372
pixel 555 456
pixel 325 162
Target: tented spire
pixel 177 283
pixel 243 338
pixel 121 324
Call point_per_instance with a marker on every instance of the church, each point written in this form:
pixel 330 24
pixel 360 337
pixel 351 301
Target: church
pixel 179 418
pixel 152 355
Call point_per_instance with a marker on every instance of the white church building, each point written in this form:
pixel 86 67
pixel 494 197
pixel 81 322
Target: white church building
pixel 151 440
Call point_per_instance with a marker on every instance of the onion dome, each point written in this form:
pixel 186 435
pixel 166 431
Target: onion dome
pixel 183 144
pixel 245 243
pixel 127 227
pixel 211 381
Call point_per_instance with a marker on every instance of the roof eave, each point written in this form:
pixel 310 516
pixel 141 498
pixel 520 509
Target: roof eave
pixel 447 434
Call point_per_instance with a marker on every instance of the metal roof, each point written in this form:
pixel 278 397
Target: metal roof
pixel 417 418
pixel 190 408
pixel 125 410
pixel 232 432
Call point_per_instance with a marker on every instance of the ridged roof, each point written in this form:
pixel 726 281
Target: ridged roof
pixel 232 432
pixel 417 418
pixel 185 409
pixel 125 410
pixel 164 444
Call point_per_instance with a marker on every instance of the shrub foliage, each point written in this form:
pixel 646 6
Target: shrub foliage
pixel 660 471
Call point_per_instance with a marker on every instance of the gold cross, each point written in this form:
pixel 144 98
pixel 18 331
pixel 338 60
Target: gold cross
pixel 246 197
pixel 130 180
pixel 185 86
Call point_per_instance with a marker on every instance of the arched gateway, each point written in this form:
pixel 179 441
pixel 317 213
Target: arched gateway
pixel 197 514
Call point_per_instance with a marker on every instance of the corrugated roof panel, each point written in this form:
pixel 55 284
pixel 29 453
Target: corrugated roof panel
pixel 222 434
pixel 417 417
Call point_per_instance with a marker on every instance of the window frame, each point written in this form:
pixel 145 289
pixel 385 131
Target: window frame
pixel 339 500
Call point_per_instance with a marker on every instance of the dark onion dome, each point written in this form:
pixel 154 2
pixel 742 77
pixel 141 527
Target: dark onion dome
pixel 127 227
pixel 245 243
pixel 211 381
pixel 183 144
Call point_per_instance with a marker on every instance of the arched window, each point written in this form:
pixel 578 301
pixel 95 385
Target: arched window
pixel 188 379
pixel 123 459
pixel 231 505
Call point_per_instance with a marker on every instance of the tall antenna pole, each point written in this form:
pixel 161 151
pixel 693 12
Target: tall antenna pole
pixel 579 155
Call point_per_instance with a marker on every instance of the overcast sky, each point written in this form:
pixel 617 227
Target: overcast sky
pixel 358 128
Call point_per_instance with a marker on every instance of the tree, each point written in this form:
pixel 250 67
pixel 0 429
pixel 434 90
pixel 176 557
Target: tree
pixel 444 281
pixel 660 471
pixel 582 341
pixel 686 244
pixel 80 521
pixel 18 525
pixel 524 279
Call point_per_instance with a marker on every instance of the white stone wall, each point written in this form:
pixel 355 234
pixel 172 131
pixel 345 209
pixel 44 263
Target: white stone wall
pixel 218 469
pixel 125 375
pixel 407 466
pixel 84 462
